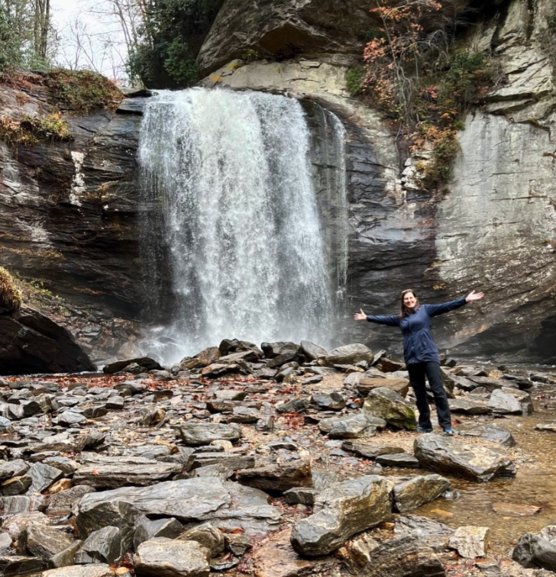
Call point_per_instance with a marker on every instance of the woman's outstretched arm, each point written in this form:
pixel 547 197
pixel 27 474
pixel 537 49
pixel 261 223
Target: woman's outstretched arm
pixel 434 310
pixel 390 320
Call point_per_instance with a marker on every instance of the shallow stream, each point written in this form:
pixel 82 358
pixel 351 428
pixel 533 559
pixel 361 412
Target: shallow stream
pixel 534 485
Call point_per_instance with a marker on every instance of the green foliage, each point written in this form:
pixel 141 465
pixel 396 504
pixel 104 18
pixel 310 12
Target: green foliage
pixel 82 90
pixel 179 63
pixel 10 295
pixel 171 36
pixel 423 83
pixel 10 45
pixel 354 80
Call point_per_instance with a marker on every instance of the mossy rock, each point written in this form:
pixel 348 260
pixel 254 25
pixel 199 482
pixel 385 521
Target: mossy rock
pixel 10 295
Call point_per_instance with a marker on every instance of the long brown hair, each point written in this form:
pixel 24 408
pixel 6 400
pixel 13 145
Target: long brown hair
pixel 404 311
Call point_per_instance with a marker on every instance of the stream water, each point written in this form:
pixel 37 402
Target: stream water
pixel 534 484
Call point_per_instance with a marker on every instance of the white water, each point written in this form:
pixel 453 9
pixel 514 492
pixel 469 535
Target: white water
pixel 240 224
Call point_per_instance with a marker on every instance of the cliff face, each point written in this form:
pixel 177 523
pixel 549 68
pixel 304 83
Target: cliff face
pixel 70 211
pixel 493 230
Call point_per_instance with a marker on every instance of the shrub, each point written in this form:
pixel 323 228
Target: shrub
pixel 422 83
pixel 82 90
pixel 354 80
pixel 10 295
pixel 32 130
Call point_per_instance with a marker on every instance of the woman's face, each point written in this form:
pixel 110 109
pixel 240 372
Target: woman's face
pixel 409 300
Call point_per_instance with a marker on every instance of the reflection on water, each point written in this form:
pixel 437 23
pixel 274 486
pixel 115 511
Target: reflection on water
pixel 534 484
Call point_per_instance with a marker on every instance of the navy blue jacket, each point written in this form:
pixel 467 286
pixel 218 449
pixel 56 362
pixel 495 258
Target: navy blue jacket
pixel 418 344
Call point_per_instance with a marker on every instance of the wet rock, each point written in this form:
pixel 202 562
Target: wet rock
pixel 364 384
pixel 106 545
pixel 244 415
pixel 300 496
pixel 403 557
pixel 537 550
pixel 278 477
pixel 61 504
pixel 546 427
pixel 42 476
pixel 351 426
pixel 311 351
pixel 94 570
pixel 469 541
pixel 390 406
pixel 411 493
pixel 429 532
pixel 502 401
pixel 45 542
pixel 401 459
pixel 107 472
pixel 21 504
pixel 150 528
pixel 12 565
pixel 210 538
pixel 294 405
pixel 489 433
pixel 14 468
pixel 469 406
pixel 30 342
pixel 229 461
pixel 474 461
pixel 201 499
pixel 347 354
pixel 197 434
pixel 139 364
pixel 15 486
pixel 70 418
pixel 341 511
pixel 515 509
pixel 162 557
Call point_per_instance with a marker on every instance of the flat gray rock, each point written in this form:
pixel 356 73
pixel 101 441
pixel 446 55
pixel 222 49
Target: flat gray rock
pixel 162 557
pixel 453 455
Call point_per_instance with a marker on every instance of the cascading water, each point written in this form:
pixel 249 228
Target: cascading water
pixel 232 241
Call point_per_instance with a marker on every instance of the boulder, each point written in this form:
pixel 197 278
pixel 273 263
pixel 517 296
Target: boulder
pixel 346 355
pixel 537 549
pixel 279 476
pixel 341 511
pixel 30 342
pixel 390 406
pixel 196 499
pixel 163 557
pixel 475 461
pixel 351 426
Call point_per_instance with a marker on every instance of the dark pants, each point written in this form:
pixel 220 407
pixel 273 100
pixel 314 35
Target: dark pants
pixel 431 370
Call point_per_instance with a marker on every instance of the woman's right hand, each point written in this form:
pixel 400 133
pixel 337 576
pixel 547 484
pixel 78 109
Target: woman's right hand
pixel 360 316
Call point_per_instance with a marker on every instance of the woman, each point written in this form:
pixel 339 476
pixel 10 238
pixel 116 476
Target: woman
pixel 421 353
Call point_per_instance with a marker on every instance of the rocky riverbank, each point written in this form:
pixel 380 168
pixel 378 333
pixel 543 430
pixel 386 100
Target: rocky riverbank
pixel 284 460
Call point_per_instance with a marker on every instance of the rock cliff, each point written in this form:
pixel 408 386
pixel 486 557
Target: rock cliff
pixel 70 210
pixel 494 228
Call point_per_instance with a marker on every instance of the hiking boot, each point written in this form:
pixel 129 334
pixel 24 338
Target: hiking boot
pixel 424 429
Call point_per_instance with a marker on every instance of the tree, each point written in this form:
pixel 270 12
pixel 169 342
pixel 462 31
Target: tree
pixel 168 40
pixel 25 32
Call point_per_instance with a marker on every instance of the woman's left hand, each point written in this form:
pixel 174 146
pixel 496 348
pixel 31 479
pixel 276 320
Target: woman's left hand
pixel 360 316
pixel 474 296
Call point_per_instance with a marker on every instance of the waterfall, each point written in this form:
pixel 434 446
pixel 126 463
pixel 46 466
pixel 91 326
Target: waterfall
pixel 232 241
